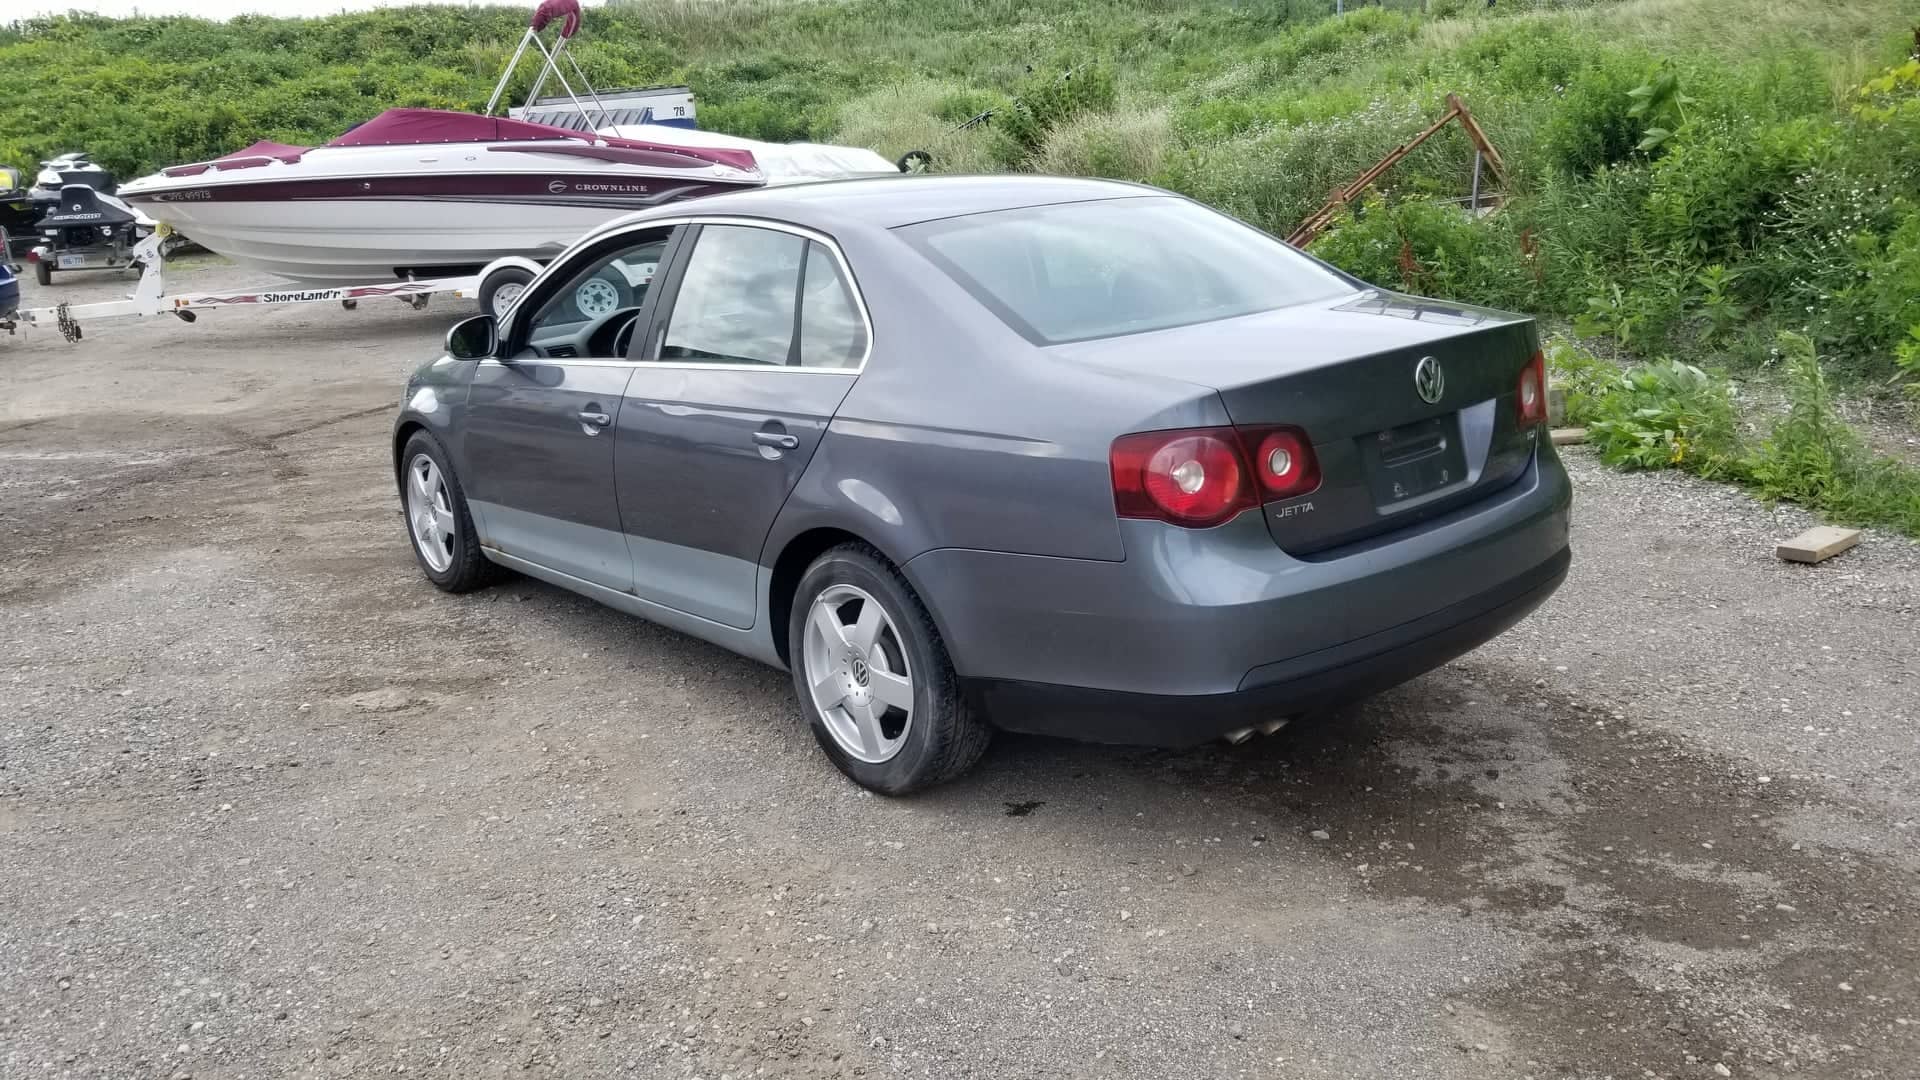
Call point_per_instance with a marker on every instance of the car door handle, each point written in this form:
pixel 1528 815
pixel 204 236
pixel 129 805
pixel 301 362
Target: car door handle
pixel 777 439
pixel 597 419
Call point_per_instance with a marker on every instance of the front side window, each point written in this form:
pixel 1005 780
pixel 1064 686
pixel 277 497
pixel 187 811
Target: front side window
pixel 760 296
pixel 1077 271
pixel 615 281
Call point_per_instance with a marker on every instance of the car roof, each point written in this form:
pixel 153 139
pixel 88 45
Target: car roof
pixel 892 201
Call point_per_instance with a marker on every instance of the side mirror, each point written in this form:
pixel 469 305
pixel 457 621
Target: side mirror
pixel 473 339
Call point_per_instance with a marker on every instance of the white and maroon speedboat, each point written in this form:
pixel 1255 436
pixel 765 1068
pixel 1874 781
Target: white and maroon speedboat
pixel 429 193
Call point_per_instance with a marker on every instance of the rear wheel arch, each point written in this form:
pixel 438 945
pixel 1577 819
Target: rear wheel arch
pixel 788 568
pixel 791 565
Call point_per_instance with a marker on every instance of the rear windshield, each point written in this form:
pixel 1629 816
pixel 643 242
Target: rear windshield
pixel 1078 271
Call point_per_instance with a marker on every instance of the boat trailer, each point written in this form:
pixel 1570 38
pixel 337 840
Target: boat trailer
pixel 150 298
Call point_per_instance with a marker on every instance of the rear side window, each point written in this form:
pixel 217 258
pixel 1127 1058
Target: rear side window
pixel 832 334
pixel 1078 271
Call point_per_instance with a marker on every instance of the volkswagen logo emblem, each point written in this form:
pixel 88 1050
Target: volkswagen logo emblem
pixel 556 186
pixel 1429 380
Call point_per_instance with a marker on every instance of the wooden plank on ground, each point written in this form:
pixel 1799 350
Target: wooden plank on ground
pixel 1569 436
pixel 1817 544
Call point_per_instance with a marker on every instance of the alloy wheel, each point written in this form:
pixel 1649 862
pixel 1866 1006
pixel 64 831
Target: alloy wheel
pixel 856 669
pixel 430 513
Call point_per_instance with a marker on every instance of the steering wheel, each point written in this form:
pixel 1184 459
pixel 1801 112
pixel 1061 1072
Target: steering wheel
pixel 623 337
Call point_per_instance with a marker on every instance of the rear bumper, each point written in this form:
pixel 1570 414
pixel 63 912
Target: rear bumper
pixel 1329 677
pixel 1200 632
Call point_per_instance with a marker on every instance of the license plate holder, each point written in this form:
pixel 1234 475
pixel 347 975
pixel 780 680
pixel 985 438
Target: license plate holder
pixel 1412 460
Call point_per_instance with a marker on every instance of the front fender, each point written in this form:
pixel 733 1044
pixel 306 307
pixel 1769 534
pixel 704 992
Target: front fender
pixel 435 395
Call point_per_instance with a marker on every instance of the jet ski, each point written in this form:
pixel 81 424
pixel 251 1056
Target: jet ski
pixel 87 229
pixel 76 168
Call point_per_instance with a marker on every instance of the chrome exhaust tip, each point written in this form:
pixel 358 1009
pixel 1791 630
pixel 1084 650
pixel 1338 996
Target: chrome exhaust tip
pixel 1272 726
pixel 1238 735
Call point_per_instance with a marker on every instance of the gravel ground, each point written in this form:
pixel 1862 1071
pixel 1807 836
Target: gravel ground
pixel 271 806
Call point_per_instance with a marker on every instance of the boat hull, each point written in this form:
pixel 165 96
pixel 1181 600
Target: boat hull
pixel 347 232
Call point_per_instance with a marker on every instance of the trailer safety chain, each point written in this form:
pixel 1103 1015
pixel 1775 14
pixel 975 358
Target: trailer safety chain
pixel 63 318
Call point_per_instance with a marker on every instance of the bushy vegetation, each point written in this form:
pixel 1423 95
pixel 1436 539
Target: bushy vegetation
pixel 1708 180
pixel 1667 414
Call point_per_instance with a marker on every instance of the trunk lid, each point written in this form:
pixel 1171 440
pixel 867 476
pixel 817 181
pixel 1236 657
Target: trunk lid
pixel 1345 372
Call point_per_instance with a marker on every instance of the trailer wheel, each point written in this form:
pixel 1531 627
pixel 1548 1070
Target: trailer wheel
pixel 42 273
pixel 501 288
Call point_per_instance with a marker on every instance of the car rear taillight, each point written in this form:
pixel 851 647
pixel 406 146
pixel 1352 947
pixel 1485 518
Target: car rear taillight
pixel 1283 460
pixel 1200 477
pixel 1530 396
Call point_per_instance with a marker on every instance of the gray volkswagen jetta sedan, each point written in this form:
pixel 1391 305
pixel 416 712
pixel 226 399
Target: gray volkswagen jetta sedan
pixel 963 453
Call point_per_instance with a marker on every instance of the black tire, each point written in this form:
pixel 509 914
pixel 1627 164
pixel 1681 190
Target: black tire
pixel 468 568
pixel 506 275
pixel 944 737
pixel 42 272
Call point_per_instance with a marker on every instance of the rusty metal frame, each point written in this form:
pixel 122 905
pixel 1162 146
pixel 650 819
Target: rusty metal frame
pixel 1317 222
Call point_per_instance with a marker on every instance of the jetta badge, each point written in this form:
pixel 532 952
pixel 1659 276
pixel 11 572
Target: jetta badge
pixel 1429 380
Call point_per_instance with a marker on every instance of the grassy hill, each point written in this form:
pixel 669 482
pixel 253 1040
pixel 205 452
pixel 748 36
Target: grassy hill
pixel 1692 178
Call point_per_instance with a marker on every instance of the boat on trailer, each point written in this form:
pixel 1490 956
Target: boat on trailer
pixel 431 193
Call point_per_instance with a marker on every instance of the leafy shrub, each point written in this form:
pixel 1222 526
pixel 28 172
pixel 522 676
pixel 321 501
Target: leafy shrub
pixel 1583 377
pixel 1043 101
pixel 1907 356
pixel 1815 459
pixel 1661 414
pixel 1667 414
pixel 755 117
pixel 1592 125
pixel 1429 248
pixel 1639 314
pixel 1723 312
pixel 1719 182
pixel 1659 104
pixel 1891 95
